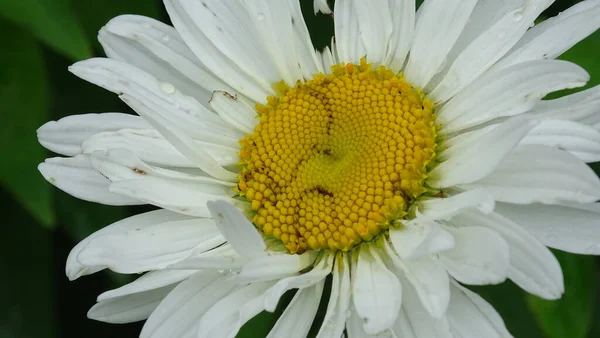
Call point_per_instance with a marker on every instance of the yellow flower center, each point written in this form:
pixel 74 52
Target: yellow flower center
pixel 335 160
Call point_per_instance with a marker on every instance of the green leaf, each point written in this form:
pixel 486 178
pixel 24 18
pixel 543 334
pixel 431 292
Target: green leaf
pixel 95 14
pixel 570 316
pixel 28 284
pixel 24 106
pixel 52 22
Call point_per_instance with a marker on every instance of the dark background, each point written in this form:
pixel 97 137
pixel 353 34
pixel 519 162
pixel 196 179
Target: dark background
pixel 40 224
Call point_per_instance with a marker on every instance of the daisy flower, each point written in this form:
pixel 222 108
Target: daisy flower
pixel 412 157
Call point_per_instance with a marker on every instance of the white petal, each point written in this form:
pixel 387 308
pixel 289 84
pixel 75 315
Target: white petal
pixel 439 25
pixel 178 314
pixel 429 280
pixel 183 111
pixel 414 321
pixel 187 146
pixel 239 232
pixel 308 58
pixel 276 267
pixel 275 27
pixel 581 107
pixel 350 46
pixel 339 301
pixel 543 174
pixel 533 267
pixel 166 107
pixel 162 43
pixel 480 256
pixel 487 48
pixel 554 36
pixel 470 316
pixel 579 139
pixel 354 328
pixel 230 27
pixel 403 17
pixel 403 327
pixel 148 282
pixel 226 317
pixel 376 291
pixel 157 49
pixel 129 308
pixel 296 320
pixel 234 111
pixel 74 269
pixel 329 59
pixel 508 92
pixel 151 147
pixel 150 247
pixel 148 144
pixel 474 160
pixel 169 189
pixel 220 258
pixel 448 207
pixel 375 25
pixel 66 135
pixel 77 177
pixel 211 56
pixel 420 237
pixel 561 227
pixel 321 6
pixel 304 280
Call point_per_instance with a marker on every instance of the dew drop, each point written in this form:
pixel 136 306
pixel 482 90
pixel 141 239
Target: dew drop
pixel 261 16
pixel 518 16
pixel 348 314
pixel 166 38
pixel 167 88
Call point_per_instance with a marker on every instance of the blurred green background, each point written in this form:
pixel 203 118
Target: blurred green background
pixel 40 224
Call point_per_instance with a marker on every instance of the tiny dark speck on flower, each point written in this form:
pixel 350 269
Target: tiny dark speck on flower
pixel 139 171
pixel 233 97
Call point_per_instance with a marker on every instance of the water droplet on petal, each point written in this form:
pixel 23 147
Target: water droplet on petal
pixel 167 88
pixel 348 313
pixel 518 16
pixel 166 38
pixel 261 16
